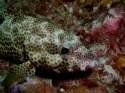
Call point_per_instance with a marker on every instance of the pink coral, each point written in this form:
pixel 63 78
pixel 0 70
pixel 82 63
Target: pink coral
pixel 109 31
pixel 112 23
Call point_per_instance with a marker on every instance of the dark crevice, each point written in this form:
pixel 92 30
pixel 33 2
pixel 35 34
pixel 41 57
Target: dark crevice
pixel 63 75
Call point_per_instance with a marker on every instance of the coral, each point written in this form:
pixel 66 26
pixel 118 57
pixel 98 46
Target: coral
pixel 32 85
pixel 108 31
pixel 120 89
pixel 119 63
pixel 80 86
pixel 37 46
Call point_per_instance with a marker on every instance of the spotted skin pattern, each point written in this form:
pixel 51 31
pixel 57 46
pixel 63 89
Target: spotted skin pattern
pixel 32 42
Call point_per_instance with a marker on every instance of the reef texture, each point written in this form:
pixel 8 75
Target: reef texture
pixel 78 44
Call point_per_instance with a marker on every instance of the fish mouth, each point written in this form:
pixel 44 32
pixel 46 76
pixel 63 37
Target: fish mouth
pixel 50 74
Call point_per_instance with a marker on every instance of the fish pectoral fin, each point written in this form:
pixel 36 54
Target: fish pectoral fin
pixel 10 79
pixel 18 73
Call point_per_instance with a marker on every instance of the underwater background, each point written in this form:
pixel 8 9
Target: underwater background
pixel 62 46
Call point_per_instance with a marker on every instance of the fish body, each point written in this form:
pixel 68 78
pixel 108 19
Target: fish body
pixel 31 43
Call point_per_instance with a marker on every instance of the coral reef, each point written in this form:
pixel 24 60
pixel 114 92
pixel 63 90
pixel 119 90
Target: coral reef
pixel 32 85
pixel 78 44
pixel 80 86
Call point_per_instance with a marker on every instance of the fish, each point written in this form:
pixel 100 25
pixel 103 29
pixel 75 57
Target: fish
pixel 30 43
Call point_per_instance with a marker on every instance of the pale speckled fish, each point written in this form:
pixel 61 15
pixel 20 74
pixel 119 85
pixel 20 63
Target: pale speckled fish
pixel 36 42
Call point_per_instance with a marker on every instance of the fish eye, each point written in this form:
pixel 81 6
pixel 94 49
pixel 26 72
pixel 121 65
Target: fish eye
pixel 64 50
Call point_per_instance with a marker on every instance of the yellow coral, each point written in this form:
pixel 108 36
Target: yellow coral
pixel 105 2
pixel 119 63
pixel 56 3
pixel 86 2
